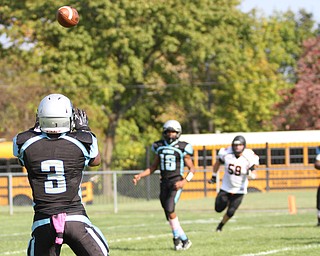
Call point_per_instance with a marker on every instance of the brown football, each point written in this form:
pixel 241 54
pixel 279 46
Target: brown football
pixel 67 16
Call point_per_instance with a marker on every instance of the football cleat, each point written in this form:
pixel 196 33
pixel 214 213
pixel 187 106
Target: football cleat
pixel 219 228
pixel 186 244
pixel 177 244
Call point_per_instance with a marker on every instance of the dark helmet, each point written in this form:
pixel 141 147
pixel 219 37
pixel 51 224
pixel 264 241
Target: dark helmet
pixel 171 125
pixel 238 140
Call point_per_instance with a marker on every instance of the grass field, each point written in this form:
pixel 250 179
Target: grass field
pixel 262 226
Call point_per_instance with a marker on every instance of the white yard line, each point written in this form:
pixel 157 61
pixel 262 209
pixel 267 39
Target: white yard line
pixel 13 253
pixel 15 234
pixel 138 238
pixel 285 249
pixel 198 221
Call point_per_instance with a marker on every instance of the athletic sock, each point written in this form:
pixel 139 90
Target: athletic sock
pixel 177 230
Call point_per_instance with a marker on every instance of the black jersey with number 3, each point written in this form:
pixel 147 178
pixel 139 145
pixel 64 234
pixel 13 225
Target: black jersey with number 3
pixel 55 168
pixel 172 157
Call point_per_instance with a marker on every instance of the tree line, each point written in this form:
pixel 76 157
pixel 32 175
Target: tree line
pixel 132 65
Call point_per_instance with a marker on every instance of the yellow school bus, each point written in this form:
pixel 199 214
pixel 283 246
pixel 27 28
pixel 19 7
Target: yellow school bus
pixel 286 160
pixel 21 191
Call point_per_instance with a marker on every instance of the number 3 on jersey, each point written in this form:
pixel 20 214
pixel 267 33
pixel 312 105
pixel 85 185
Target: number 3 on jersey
pixel 168 162
pixel 56 182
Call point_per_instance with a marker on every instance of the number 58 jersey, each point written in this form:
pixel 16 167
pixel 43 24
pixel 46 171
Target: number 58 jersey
pixel 172 157
pixel 55 168
pixel 235 179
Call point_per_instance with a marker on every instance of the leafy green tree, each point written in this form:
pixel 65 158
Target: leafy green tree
pixel 135 64
pixel 21 88
pixel 263 64
pixel 300 108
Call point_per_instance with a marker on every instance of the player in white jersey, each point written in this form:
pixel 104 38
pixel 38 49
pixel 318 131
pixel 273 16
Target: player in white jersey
pixel 240 163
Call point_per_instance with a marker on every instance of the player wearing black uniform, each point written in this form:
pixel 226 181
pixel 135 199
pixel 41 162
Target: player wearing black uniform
pixel 171 156
pixel 55 157
pixel 317 166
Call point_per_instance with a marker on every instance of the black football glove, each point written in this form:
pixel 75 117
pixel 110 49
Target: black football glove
pixel 80 120
pixel 213 179
pixel 36 126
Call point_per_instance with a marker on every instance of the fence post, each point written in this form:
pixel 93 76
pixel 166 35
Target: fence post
pixel 267 168
pixel 148 178
pixel 205 170
pixel 10 194
pixel 115 193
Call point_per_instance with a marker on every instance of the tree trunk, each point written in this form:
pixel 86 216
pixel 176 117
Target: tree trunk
pixel 106 165
pixel 107 154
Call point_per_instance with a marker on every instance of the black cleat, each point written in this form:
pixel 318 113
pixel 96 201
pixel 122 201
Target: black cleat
pixel 177 244
pixel 219 228
pixel 186 244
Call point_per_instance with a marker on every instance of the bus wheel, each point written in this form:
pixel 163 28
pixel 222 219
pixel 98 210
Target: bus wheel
pixel 252 190
pixel 22 200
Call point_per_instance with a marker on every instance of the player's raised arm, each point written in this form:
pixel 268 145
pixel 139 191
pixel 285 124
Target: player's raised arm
pixel 147 171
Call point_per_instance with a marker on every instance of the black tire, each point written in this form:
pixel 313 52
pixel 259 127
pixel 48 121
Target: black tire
pixel 22 200
pixel 253 190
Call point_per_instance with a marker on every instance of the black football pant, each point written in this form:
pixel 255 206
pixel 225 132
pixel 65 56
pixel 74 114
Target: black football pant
pixel 225 199
pixel 79 234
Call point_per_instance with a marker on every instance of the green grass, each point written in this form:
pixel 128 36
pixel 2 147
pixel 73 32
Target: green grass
pixel 262 226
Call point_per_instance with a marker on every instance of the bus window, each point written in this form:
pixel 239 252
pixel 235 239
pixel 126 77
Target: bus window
pixel 204 155
pixel 14 165
pixel 262 153
pixel 311 155
pixel 10 165
pixel 278 156
pixel 296 155
pixel 3 165
pixel 217 156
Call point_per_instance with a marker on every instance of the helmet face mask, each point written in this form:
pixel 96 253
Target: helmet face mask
pixel 55 114
pixel 171 131
pixel 238 140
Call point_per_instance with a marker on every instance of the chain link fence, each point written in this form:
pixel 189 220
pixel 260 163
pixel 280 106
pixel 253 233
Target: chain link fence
pixel 116 187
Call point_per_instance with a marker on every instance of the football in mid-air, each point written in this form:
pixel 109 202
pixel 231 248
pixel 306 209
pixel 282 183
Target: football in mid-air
pixel 67 16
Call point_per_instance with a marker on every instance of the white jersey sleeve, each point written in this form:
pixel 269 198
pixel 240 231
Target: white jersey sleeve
pixel 252 158
pixel 223 152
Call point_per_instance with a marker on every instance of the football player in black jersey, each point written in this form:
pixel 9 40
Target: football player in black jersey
pixel 317 166
pixel 171 156
pixel 55 152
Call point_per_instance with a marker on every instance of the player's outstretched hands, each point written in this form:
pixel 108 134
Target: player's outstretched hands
pixel 213 179
pixel 80 120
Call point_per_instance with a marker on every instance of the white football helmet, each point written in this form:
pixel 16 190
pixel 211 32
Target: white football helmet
pixel 55 114
pixel 171 125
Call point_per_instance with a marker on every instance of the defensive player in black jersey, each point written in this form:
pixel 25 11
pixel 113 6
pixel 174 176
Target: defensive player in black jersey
pixel 55 153
pixel 317 166
pixel 171 156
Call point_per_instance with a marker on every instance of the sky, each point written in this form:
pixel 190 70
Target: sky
pixel 268 6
